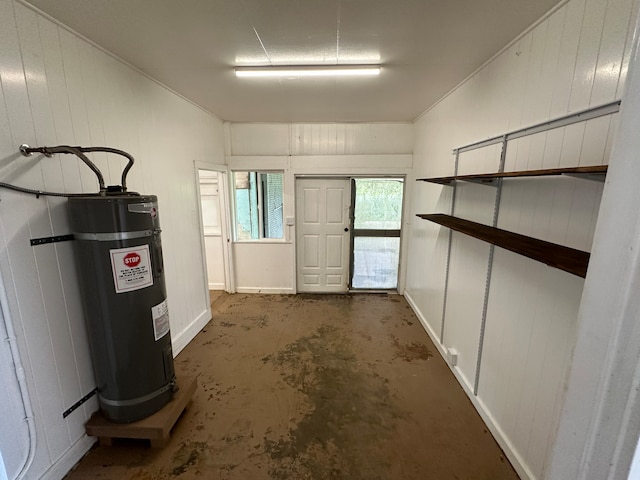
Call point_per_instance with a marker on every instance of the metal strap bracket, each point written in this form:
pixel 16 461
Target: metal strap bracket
pixel 54 239
pixel 112 236
pixel 76 405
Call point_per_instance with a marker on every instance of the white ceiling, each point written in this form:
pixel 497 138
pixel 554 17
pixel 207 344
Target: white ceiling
pixel 426 47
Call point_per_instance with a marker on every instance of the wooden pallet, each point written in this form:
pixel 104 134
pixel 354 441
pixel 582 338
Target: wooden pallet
pixel 155 428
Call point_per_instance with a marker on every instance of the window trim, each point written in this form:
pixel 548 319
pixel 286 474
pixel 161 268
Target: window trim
pixel 234 232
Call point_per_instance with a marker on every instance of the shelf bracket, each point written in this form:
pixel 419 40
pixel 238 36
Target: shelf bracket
pixel 487 285
pixel 449 242
pixel 570 119
pixel 490 182
pixel 594 177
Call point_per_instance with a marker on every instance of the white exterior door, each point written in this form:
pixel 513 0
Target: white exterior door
pixel 322 234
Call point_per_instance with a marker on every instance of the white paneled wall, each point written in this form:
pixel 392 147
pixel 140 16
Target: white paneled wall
pixel 258 139
pixel 351 138
pixel 264 139
pixel 57 88
pixel 574 59
pixel 14 441
pixel 307 149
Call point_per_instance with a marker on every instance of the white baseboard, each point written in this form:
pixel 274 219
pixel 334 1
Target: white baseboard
pixel 426 326
pixel 183 338
pixel 69 459
pixel 516 460
pixel 266 291
pixel 216 286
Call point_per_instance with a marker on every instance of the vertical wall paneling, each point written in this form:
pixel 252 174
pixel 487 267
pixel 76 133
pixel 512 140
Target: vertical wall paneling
pixel 76 99
pixel 8 75
pixel 351 139
pixel 21 224
pixel 262 139
pixel 626 56
pixel 56 314
pixel 573 60
pixel 519 65
pixel 59 103
pixel 55 88
pixel 464 305
pixel 482 160
pixel 599 429
pixel 14 441
pixel 64 174
pixel 88 70
pixel 568 51
pixel 550 63
pixel 588 49
pixel 535 85
pixel 609 64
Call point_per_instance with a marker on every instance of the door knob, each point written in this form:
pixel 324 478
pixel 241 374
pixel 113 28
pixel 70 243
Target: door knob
pixel 346 229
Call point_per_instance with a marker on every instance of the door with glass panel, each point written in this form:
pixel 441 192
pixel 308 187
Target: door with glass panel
pixel 377 220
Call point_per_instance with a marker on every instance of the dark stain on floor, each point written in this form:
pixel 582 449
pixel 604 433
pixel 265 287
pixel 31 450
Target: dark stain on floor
pixel 186 456
pixel 351 410
pixel 410 351
pixel 313 387
pixel 259 321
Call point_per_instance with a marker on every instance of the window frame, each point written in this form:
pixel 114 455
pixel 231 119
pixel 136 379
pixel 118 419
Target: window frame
pixel 260 201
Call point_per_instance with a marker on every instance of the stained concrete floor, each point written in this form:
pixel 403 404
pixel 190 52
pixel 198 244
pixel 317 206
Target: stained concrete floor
pixel 314 387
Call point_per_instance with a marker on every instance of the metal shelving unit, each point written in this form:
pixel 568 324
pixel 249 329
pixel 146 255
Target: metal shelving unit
pixel 558 256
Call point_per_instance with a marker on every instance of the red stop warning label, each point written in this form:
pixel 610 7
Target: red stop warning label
pixel 131 259
pixel 131 268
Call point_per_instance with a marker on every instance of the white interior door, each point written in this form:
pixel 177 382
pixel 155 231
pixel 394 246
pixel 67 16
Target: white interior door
pixel 322 234
pixel 211 221
pixel 212 188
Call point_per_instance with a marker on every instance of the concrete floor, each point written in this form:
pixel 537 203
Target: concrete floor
pixel 314 387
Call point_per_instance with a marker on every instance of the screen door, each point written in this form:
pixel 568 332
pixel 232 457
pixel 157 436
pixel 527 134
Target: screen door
pixel 377 224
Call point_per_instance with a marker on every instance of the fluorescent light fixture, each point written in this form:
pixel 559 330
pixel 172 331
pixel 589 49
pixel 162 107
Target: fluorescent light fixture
pixel 308 71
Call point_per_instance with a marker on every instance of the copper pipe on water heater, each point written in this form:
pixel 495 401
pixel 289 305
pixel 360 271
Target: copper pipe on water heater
pixel 26 150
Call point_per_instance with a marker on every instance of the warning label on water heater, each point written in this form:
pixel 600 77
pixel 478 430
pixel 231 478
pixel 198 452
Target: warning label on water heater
pixel 131 268
pixel 160 314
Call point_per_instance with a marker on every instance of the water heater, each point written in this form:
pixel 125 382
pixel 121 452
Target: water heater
pixel 119 261
pixel 119 255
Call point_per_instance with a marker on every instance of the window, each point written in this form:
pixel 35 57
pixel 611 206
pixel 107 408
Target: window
pixel 258 205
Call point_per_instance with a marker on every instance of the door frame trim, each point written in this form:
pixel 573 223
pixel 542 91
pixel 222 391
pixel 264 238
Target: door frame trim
pixel 225 211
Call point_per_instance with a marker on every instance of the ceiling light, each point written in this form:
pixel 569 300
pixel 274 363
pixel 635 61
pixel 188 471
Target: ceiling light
pixel 308 71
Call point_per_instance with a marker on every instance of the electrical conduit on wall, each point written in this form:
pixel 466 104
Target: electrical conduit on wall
pixel 22 392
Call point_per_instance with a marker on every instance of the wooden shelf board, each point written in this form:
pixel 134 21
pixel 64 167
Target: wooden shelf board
pixel 593 170
pixel 557 256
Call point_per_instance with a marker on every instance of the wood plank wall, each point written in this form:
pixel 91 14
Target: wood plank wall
pixel 57 88
pixel 574 59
